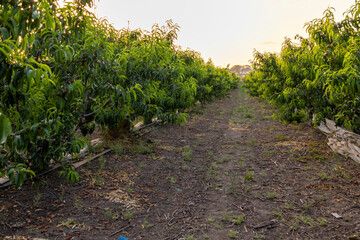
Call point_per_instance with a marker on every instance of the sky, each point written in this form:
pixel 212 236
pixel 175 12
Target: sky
pixel 227 31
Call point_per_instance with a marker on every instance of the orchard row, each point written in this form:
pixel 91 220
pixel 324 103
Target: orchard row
pixel 318 77
pixel 62 69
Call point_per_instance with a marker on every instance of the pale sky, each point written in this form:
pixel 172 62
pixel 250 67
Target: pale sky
pixel 227 31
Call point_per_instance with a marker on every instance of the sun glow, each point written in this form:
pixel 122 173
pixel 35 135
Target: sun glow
pixel 226 31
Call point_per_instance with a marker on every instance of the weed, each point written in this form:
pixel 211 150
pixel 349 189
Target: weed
pixel 323 176
pixel 109 214
pixel 96 180
pixel 233 191
pixel 62 193
pixel 323 197
pixel 271 129
pixel 313 178
pixel 135 148
pixel 248 115
pixel 187 153
pixel 214 166
pixel 102 162
pixel 265 118
pixel 271 152
pixel 209 174
pixel 117 148
pixel 139 168
pixel 277 214
pixel 68 223
pixel 249 176
pixel 232 187
pixel 184 167
pixel 313 145
pixel 354 237
pixel 271 195
pixel 97 148
pixel 233 178
pixel 205 236
pixel 289 206
pixel 303 159
pixel 257 195
pixel 343 173
pixel 172 180
pixel 232 234
pixel 190 237
pixel 281 138
pixel 294 226
pixel 306 219
pixel 37 197
pixel 90 147
pixel 241 109
pixel 128 215
pixel 216 173
pixel 77 202
pixel 241 163
pixel 217 226
pixel 129 190
pixel 322 221
pixel 32 230
pixel 223 160
pixel 146 224
pixel 308 205
pixel 227 217
pixel 240 219
pixel 141 148
pixel 211 220
pixel 252 142
pixel 259 236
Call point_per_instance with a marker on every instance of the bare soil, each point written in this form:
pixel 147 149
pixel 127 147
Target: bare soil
pixel 231 173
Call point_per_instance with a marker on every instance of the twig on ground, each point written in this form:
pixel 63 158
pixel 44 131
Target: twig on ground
pixel 238 207
pixel 120 230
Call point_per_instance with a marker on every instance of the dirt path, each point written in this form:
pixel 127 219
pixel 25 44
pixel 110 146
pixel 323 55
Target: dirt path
pixel 231 173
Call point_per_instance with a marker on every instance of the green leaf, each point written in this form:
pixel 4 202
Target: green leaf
pixel 30 75
pixel 47 131
pixel 35 14
pixel 19 145
pixel 4 33
pixel 5 128
pixel 11 172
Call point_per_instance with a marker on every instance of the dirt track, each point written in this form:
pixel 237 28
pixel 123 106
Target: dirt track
pixel 231 172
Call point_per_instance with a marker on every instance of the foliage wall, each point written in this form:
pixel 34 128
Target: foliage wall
pixel 318 77
pixel 62 69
